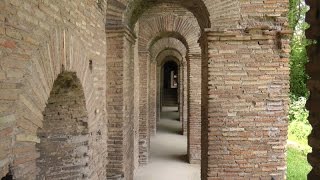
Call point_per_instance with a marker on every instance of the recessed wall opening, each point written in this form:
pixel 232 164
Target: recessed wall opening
pixel 63 143
pixel 170 84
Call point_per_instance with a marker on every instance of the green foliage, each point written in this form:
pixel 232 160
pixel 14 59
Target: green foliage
pixel 298 59
pixel 297 165
pixel 299 127
pixel 298 56
pixel 293 13
pixel 297 110
pixel 298 117
pixel 300 130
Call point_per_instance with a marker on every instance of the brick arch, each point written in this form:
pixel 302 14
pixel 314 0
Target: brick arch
pixel 163 57
pixel 137 7
pixel 167 53
pixel 167 43
pixel 59 53
pixel 169 26
pixel 214 14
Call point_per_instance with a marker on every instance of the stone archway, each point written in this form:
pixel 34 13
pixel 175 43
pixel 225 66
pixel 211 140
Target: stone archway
pixel 64 137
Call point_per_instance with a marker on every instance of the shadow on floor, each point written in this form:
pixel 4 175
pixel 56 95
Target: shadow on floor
pixel 179 158
pixel 169 114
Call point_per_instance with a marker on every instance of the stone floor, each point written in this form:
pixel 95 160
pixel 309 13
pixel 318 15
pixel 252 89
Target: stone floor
pixel 168 152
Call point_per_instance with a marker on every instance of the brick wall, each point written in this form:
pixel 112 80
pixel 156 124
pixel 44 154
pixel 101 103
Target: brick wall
pixel 194 107
pixel 152 98
pixel 144 139
pixel 65 128
pixel 38 40
pixel 248 81
pixel 120 107
pixel 264 13
pixel 136 103
pixel 224 14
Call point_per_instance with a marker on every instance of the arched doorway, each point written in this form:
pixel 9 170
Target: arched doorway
pixel 170 84
pixel 63 143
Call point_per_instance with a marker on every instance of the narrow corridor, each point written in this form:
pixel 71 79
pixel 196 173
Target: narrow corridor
pixel 169 152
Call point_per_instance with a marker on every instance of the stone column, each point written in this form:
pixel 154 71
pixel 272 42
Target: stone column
pixel 120 107
pixel 313 71
pixel 194 107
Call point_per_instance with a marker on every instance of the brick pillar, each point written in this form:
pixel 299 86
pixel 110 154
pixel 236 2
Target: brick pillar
pixel 194 108
pixel 313 104
pixel 180 94
pixel 245 133
pixel 152 98
pixel 120 98
pixel 159 79
pixel 180 91
pixel 136 103
pixel 185 98
pixel 144 134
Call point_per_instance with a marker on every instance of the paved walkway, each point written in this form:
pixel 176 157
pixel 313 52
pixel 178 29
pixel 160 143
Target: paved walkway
pixel 168 152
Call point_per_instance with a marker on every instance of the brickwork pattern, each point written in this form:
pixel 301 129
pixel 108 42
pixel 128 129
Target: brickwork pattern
pixel 159 51
pixel 247 104
pixel 240 62
pixel 152 98
pixel 182 29
pixel 35 44
pixel 65 128
pixel 144 126
pixel 120 107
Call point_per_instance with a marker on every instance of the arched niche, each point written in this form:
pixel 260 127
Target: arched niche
pixel 64 136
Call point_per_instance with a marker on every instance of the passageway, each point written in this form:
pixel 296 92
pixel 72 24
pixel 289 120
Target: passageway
pixel 169 152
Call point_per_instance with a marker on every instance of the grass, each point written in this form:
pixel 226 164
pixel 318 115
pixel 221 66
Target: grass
pixel 302 144
pixel 297 165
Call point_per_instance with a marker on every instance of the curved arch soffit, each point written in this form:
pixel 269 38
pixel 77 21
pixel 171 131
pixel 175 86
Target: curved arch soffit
pixel 169 59
pixel 173 53
pixel 197 7
pixel 169 26
pixel 167 43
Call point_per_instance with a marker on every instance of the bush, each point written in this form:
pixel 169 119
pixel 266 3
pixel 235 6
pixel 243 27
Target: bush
pixel 299 127
pixel 297 110
pixel 299 130
pixel 298 59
